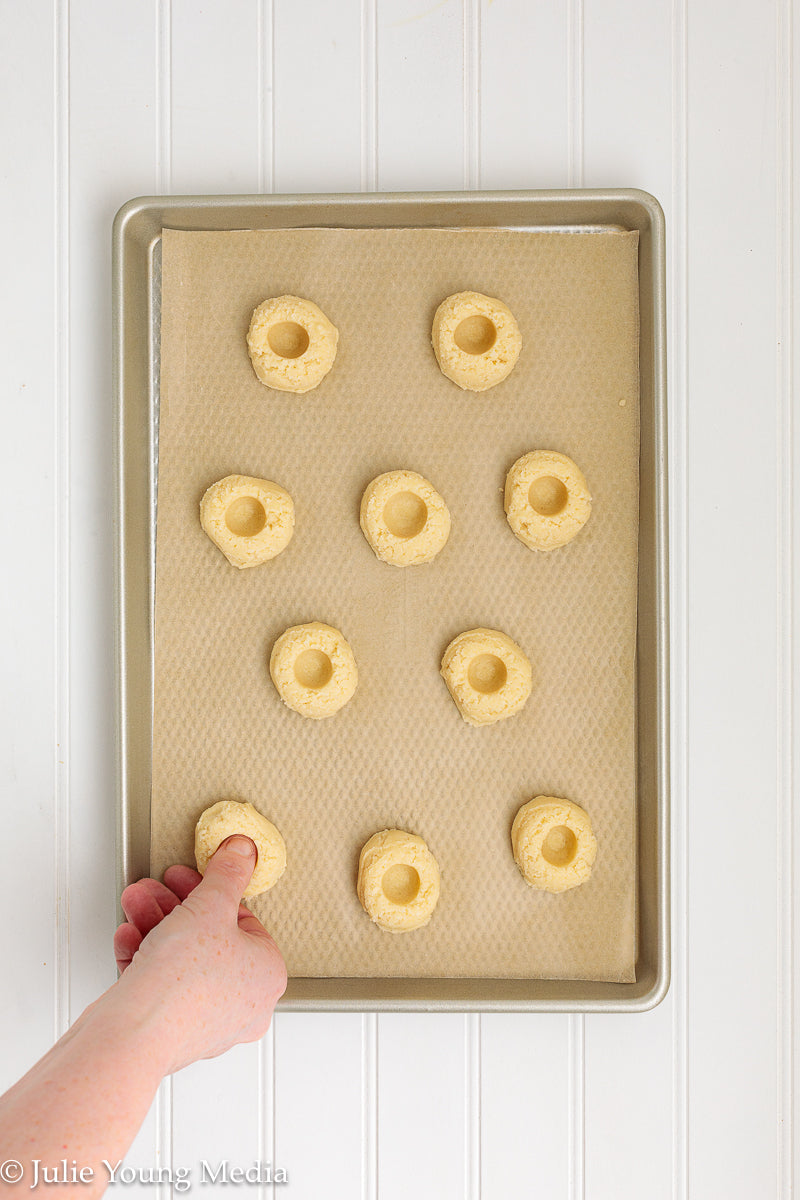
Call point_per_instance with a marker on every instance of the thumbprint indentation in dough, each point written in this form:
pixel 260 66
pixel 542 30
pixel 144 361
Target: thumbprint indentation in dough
pixel 475 335
pixel 487 673
pixel 313 669
pixel 246 517
pixel 288 339
pixel 400 884
pixel 548 496
pixel 560 846
pixel 405 514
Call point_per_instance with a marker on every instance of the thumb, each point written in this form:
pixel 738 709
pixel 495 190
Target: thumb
pixel 229 870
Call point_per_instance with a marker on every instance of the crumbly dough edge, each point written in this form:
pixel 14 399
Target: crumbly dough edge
pixel 531 825
pixel 538 532
pixel 227 817
pixel 494 706
pixel 272 539
pixel 387 848
pixel 314 635
pixel 397 551
pixel 464 369
pixel 301 374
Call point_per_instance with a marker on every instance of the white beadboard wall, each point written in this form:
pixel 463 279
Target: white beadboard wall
pixel 103 100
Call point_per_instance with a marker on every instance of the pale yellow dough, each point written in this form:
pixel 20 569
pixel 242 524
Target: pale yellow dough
pixel 292 344
pixel 476 340
pixel 547 499
pixel 314 669
pixel 487 674
pixel 249 520
pixel 404 518
pixel 398 880
pixel 553 843
pixel 228 817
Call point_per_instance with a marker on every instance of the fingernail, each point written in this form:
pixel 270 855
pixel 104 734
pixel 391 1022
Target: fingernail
pixel 241 845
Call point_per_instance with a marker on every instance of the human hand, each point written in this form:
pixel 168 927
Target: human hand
pixel 196 965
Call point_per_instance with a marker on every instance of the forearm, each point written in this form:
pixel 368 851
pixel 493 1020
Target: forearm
pixel 84 1101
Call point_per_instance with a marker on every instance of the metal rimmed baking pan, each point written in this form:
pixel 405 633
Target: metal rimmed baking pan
pixel 137 234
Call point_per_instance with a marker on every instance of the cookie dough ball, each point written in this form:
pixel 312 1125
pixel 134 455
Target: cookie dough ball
pixel 404 518
pixel 476 340
pixel 228 817
pixel 249 520
pixel 553 844
pixel 487 674
pixel 398 880
pixel 314 669
pixel 292 344
pixel 547 500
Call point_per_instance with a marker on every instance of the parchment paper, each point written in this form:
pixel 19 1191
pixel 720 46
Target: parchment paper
pixel 399 754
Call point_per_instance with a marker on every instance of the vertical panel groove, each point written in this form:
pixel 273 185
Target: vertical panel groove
pixel 679 506
pixel 785 594
pixel 576 1142
pixel 369 1106
pixel 164 97
pixel 61 117
pixel 472 94
pixel 267 1107
pixel 575 93
pixel 266 96
pixel 164 1190
pixel 369 96
pixel 472 1106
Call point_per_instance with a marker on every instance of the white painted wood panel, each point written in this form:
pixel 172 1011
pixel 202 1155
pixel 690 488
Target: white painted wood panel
pixel 214 96
pixel 733 557
pixel 406 94
pixel 422 1110
pixel 320 1111
pixel 112 131
pixel 29 465
pixel 525 1103
pixel 317 71
pixel 524 102
pixel 420 96
pixel 627 83
pixel 210 1123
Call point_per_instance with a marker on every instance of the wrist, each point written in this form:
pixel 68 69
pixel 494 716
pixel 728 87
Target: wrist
pixel 130 1026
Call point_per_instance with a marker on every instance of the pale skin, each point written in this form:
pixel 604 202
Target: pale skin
pixel 199 973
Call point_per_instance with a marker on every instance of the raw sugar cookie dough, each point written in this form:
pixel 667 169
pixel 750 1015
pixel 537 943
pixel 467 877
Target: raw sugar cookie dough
pixel 553 844
pixel 476 340
pixel 487 674
pixel 313 669
pixel 228 817
pixel 249 520
pixel 398 880
pixel 404 518
pixel 292 344
pixel 547 499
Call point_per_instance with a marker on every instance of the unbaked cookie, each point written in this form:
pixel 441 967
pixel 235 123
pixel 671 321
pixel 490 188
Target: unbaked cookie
pixel 547 500
pixel 476 340
pixel 292 344
pixel 404 518
pixel 553 843
pixel 228 817
pixel 487 674
pixel 398 880
pixel 314 669
pixel 249 520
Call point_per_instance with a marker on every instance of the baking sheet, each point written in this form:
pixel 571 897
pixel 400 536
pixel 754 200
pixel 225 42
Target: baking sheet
pixel 399 753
